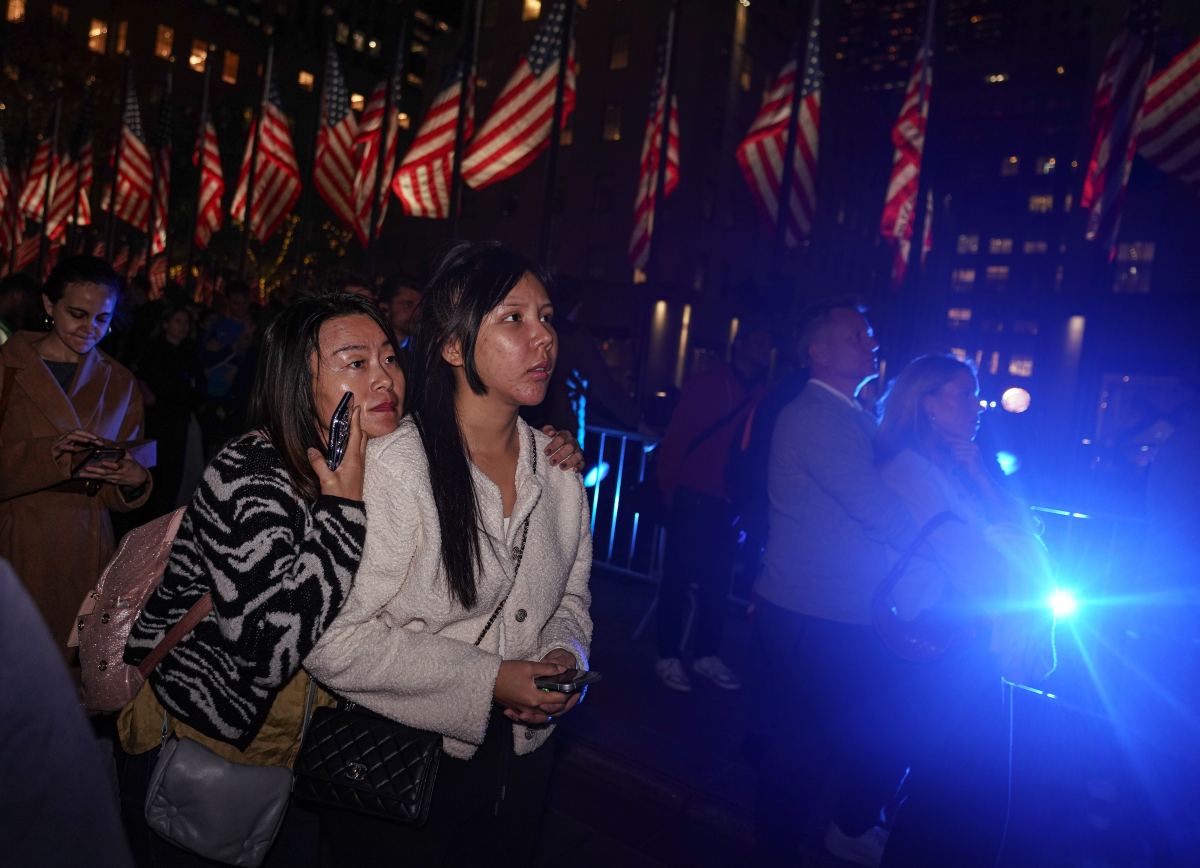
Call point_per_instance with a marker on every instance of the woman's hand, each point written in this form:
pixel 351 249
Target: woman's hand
pixel 126 473
pixel 557 704
pixel 74 441
pixel 347 481
pixel 563 449
pixel 521 698
pixel 967 456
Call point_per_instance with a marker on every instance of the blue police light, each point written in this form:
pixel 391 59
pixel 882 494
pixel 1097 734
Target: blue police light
pixel 1009 463
pixel 1063 603
pixel 596 475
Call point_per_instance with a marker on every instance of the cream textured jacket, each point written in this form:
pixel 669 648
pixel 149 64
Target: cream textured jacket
pixel 402 645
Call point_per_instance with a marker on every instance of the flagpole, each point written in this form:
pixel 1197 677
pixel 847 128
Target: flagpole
pixel 73 229
pixel 248 216
pixel 110 235
pixel 560 92
pixel 464 104
pixel 155 178
pixel 388 118
pixel 783 201
pixel 44 243
pixel 201 141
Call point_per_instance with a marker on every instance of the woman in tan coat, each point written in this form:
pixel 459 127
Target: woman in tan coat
pixel 60 397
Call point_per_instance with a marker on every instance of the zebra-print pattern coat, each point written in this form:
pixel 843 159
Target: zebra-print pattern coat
pixel 278 567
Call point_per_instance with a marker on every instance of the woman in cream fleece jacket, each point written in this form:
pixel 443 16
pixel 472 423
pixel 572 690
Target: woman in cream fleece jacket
pixel 470 532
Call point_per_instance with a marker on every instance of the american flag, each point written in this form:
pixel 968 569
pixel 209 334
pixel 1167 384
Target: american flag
pixel 157 276
pixel 1118 101
pixel 1169 132
pixel 33 194
pixel 212 186
pixel 162 191
pixel 423 180
pixel 519 126
pixel 27 252
pixel 12 221
pixel 908 136
pixel 132 199
pixel 74 173
pixel 368 156
pixel 333 168
pixel 761 153
pixel 276 175
pixel 643 206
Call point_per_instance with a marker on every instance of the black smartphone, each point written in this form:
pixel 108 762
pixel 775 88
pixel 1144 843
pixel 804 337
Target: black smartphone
pixel 99 454
pixel 569 681
pixel 339 432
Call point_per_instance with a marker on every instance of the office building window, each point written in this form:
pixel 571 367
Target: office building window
pixel 618 58
pixel 959 353
pixel 967 244
pixel 59 14
pixel 997 276
pixel 1044 166
pixel 1010 166
pixel 358 40
pixel 1068 201
pixel 1135 260
pixel 1000 245
pixel 1035 247
pixel 98 36
pixel 15 11
pixel 994 362
pixel 1020 366
pixel 198 59
pixel 229 69
pixel 612 123
pixel 404 120
pixel 958 317
pixel 532 10
pixel 164 41
pixel 306 80
pixel 414 79
pixel 122 36
pixel 357 102
pixel 342 32
pixel 963 279
pixel 746 75
pixel 1041 203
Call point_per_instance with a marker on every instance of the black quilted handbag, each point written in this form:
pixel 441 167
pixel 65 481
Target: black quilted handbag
pixel 355 759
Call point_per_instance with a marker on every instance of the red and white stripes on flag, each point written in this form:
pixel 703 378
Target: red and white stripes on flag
pixel 158 276
pixel 908 137
pixel 761 153
pixel 12 222
pixel 134 173
pixel 1120 92
pixel 1169 132
pixel 643 206
pixel 212 186
pixel 75 173
pixel 333 168
pixel 33 194
pixel 162 176
pixel 276 175
pixel 522 117
pixel 367 141
pixel 422 182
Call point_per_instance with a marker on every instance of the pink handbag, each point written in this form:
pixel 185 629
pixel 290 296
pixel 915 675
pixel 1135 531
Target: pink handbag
pixel 107 613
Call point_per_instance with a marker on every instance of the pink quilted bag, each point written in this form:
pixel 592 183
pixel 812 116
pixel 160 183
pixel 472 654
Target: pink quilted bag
pixel 107 613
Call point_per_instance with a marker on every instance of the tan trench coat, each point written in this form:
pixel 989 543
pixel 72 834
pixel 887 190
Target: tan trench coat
pixel 57 537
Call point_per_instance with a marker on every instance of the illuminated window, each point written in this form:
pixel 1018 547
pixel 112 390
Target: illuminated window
pixel 532 10
pixel 414 79
pixel 997 276
pixel 1044 166
pixel 342 32
pixel 994 363
pixel 1041 203
pixel 958 317
pixel 164 41
pixel 305 79
pixel 229 69
pixel 122 35
pixel 746 76
pixel 1020 366
pixel 963 279
pixel 373 47
pixel 1035 247
pixel 357 102
pixel 404 120
pixel 1010 166
pixel 968 244
pixel 1135 260
pixel 198 58
pixel 996 77
pixel 59 14
pixel 959 353
pixel 98 36
pixel 1068 201
pixel 566 135
pixel 16 11
pixel 1000 245
pixel 618 58
pixel 612 123
pixel 358 40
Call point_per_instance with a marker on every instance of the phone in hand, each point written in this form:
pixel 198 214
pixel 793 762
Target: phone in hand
pixel 568 681
pixel 339 432
pixel 101 454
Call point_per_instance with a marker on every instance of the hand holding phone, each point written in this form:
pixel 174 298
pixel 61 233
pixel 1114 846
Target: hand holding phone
pixel 568 681
pixel 99 455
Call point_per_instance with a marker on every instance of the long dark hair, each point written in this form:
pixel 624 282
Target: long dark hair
pixel 470 280
pixel 282 402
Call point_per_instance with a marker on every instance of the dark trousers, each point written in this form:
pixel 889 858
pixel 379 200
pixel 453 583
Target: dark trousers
pixel 828 694
pixel 486 811
pixel 700 547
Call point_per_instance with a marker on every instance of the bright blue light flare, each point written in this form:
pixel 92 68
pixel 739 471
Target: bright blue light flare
pixel 596 475
pixel 1009 463
pixel 1063 603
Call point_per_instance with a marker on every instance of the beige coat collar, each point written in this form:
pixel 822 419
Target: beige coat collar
pixel 81 404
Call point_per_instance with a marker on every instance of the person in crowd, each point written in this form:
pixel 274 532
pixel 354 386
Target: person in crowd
pixel 980 583
pixel 831 520
pixel 474 578
pixel 351 283
pixel 61 397
pixel 701 533
pixel 17 292
pixel 403 302
pixel 172 388
pixel 228 353
pixel 57 806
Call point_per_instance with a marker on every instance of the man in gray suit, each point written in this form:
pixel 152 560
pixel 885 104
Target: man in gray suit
pixel 831 521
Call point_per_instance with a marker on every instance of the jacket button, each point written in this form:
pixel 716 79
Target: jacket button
pixel 81 623
pixel 102 665
pixel 521 615
pixel 104 619
pixel 529 735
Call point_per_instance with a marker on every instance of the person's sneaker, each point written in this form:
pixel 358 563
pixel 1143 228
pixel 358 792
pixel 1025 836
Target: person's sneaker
pixel 670 672
pixel 714 669
pixel 866 849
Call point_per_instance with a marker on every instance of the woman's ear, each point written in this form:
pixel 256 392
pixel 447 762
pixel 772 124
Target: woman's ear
pixel 927 408
pixel 452 353
pixel 47 306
